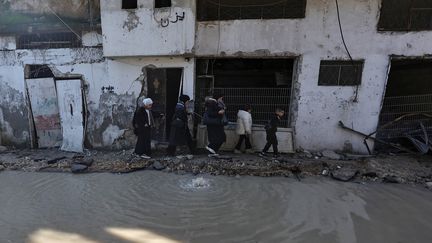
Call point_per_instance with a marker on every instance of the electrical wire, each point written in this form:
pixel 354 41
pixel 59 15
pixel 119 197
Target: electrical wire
pixel 346 48
pixel 79 37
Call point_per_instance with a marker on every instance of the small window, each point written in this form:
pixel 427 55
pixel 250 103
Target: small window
pixel 162 3
pixel 340 73
pixel 129 4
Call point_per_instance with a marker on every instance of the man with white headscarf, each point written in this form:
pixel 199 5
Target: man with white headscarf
pixel 143 122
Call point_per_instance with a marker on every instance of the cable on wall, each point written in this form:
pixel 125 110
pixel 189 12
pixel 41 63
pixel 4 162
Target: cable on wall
pixel 345 45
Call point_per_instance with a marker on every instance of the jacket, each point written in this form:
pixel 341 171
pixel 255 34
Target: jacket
pixel 244 123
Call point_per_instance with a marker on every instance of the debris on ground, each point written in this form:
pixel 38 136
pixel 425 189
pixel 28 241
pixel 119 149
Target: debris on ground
pixel 390 169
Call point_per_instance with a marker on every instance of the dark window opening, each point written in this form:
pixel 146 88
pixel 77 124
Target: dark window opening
pixel 265 84
pixel 48 41
pixel 162 3
pixel 408 95
pixel 129 4
pixel 208 10
pixel 38 71
pixel 340 73
pixel 405 15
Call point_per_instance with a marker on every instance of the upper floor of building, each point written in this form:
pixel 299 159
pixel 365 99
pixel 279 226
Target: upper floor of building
pixel 220 27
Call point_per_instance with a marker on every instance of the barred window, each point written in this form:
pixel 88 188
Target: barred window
pixel 405 15
pixel 48 41
pixel 209 10
pixel 340 73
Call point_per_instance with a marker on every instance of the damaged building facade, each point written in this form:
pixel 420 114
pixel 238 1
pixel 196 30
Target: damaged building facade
pixel 70 73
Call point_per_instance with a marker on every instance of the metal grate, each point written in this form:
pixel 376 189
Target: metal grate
pixel 398 106
pixel 340 73
pixel 250 9
pixel 263 101
pixel 48 41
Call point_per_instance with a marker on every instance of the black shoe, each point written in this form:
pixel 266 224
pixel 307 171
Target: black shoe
pixel 262 154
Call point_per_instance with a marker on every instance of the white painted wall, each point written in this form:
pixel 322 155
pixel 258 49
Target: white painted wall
pixel 316 38
pixel 140 32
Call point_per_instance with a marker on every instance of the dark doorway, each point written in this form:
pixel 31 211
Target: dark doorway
pixel 408 100
pixel 265 84
pixel 164 88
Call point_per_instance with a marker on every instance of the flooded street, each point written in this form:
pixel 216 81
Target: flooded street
pixel 151 206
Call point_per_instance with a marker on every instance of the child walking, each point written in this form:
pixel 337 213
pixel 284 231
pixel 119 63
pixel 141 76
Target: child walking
pixel 271 129
pixel 244 129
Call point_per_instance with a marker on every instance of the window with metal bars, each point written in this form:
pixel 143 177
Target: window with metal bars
pixel 340 73
pixel 208 10
pixel 48 41
pixel 405 15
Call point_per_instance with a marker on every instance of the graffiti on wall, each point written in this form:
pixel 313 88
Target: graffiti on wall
pixel 166 22
pixel 107 89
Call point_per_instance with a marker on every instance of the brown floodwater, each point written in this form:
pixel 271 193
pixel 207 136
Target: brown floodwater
pixel 156 207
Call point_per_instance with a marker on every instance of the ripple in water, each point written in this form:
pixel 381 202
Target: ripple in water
pixel 195 184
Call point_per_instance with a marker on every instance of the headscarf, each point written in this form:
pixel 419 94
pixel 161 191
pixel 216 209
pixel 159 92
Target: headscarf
pixel 147 101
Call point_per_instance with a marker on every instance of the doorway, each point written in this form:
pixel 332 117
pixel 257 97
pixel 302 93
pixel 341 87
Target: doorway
pixel 164 87
pixel 407 103
pixel 57 109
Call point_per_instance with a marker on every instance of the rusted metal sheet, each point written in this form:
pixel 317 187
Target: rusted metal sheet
pixel 43 101
pixel 71 113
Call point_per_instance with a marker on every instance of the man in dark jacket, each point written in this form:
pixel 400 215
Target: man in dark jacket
pixel 215 112
pixel 271 129
pixel 179 133
pixel 143 122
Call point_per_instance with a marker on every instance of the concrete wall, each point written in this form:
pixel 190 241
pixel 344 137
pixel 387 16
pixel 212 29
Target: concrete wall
pixel 147 31
pixel 109 112
pixel 316 37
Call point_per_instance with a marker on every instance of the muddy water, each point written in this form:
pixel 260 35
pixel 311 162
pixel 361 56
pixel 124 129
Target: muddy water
pixel 165 208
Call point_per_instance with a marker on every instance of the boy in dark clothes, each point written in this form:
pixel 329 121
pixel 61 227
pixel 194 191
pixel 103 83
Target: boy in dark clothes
pixel 271 129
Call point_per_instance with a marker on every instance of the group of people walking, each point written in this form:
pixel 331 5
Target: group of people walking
pixel 214 118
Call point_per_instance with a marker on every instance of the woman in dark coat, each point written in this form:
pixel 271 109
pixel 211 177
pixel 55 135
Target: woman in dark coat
pixel 179 133
pixel 142 123
pixel 215 110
